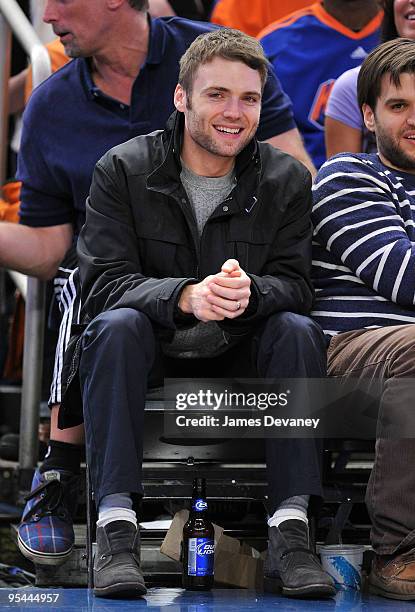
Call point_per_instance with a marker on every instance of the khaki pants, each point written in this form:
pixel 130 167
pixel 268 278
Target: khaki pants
pixel 386 354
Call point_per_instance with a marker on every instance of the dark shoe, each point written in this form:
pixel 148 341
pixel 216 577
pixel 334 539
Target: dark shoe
pixel 291 567
pixel 117 561
pixel 394 577
pixel 45 534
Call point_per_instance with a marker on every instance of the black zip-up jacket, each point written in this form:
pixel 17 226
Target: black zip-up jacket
pixel 140 246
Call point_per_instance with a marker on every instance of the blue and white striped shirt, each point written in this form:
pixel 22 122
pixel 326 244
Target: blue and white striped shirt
pixel 364 244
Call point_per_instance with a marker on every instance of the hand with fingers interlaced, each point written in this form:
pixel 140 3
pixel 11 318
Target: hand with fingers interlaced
pixel 224 295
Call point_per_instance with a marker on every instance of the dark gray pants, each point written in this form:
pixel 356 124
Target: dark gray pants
pixel 120 353
pixel 386 354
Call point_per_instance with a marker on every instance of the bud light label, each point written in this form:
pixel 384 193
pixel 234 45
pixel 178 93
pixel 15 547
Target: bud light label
pixel 200 505
pixel 201 556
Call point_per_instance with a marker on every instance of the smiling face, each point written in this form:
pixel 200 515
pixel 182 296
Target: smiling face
pixel 81 25
pixel 404 15
pixel 393 122
pixel 221 114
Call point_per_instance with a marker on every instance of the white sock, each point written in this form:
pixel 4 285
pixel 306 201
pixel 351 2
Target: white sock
pixel 116 507
pixel 287 514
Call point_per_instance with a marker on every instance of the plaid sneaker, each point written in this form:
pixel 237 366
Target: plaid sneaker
pixel 45 534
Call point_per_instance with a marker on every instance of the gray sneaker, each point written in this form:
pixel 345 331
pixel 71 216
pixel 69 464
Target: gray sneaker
pixel 117 561
pixel 291 567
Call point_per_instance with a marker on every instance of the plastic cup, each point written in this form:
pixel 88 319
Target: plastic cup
pixel 344 564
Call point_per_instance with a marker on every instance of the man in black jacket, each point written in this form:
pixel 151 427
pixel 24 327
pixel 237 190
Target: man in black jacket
pixel 196 254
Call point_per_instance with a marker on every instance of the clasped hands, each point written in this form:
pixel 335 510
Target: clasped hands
pixel 220 296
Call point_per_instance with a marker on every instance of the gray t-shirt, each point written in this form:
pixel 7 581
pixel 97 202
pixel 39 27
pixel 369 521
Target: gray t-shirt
pixel 205 194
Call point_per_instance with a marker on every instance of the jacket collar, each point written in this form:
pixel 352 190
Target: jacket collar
pixel 166 177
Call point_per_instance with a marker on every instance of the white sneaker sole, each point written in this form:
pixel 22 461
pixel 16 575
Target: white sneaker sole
pixel 43 558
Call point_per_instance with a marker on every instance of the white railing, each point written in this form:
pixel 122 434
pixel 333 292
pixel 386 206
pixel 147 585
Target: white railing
pixel 12 19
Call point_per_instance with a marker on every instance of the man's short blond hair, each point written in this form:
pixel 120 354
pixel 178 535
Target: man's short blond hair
pixel 228 44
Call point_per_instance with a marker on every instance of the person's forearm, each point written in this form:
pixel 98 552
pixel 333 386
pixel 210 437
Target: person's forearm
pixel 17 92
pixel 341 137
pixel 305 159
pixel 291 142
pixel 35 251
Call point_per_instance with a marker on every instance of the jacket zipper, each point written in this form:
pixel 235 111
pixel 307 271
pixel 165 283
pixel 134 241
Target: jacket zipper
pixel 191 222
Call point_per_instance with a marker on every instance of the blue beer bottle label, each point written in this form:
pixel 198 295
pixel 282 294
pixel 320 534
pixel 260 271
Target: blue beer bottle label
pixel 200 557
pixel 199 505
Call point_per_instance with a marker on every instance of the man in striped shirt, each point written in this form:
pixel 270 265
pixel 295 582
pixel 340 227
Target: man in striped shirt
pixel 364 274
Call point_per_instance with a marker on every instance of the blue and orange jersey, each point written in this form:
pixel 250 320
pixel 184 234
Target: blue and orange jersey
pixel 309 49
pixel 253 16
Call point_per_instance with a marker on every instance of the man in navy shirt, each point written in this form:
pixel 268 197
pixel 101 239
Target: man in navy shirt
pixel 119 85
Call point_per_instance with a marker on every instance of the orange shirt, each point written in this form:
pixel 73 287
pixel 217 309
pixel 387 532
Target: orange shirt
pixel 10 201
pixel 57 58
pixel 251 16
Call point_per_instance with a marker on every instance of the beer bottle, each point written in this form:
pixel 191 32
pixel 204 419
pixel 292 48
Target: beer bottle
pixel 198 542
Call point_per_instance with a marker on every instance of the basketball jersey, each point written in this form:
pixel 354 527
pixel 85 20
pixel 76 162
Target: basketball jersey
pixel 252 16
pixel 309 49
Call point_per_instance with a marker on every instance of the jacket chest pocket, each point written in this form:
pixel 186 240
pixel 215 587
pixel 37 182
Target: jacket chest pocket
pixel 160 248
pixel 251 248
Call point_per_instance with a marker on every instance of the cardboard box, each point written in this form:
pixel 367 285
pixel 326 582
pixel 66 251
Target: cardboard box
pixel 235 564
